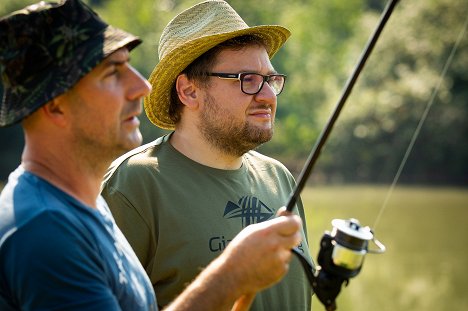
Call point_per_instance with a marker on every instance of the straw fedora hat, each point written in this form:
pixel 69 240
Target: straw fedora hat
pixel 189 35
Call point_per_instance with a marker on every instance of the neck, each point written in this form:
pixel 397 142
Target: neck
pixel 194 146
pixel 64 169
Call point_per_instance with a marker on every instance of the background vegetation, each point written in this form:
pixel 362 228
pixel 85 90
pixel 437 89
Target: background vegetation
pixel 381 115
pixel 423 228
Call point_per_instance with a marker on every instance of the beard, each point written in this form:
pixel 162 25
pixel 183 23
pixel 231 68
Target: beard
pixel 227 134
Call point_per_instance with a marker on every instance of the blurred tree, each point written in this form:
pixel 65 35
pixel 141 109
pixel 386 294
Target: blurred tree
pixel 328 36
pixel 316 61
pixel 381 116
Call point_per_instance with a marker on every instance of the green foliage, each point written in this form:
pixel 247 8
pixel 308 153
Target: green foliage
pixel 315 60
pixel 395 89
pixel 377 123
pixel 9 6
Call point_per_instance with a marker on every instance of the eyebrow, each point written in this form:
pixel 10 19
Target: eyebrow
pixel 117 62
pixel 270 72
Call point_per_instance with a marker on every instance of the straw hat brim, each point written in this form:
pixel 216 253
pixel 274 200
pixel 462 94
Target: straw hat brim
pixel 166 71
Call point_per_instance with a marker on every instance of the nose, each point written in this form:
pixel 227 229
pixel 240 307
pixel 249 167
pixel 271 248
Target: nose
pixel 139 87
pixel 266 94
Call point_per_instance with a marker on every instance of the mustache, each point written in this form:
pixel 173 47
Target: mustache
pixel 133 107
pixel 263 106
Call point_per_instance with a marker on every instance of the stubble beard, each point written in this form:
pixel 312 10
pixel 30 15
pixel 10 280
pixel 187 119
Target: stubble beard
pixel 228 135
pixel 98 147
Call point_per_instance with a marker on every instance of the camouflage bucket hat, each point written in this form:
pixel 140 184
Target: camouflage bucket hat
pixel 46 48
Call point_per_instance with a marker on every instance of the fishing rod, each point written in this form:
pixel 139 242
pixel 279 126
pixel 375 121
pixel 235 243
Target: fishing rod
pixel 315 153
pixel 343 249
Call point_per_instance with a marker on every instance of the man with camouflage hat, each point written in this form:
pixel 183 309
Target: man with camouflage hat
pixel 65 76
pixel 181 199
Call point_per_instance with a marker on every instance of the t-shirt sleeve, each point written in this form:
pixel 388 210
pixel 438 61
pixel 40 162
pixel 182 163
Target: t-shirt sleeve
pixel 52 264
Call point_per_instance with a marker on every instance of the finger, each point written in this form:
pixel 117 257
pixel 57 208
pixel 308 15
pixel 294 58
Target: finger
pixel 283 212
pixel 289 242
pixel 287 225
pixel 243 303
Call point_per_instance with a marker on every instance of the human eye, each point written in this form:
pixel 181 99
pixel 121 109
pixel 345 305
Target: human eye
pixel 114 69
pixel 248 78
pixel 252 78
pixel 112 73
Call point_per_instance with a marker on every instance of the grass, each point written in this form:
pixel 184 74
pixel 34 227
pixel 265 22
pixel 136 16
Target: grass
pixel 425 231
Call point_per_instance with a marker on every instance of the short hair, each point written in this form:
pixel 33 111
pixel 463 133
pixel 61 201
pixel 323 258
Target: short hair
pixel 198 70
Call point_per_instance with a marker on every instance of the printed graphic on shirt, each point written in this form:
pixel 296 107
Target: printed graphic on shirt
pixel 249 209
pixel 218 243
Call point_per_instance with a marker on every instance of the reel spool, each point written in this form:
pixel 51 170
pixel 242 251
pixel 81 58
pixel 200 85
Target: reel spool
pixel 341 255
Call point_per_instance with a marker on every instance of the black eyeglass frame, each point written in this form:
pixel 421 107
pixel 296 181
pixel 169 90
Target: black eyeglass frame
pixel 240 77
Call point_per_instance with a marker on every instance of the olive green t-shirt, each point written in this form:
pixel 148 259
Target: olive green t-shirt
pixel 179 215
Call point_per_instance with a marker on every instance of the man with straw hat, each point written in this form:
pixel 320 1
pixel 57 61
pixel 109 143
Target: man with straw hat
pixel 181 199
pixel 65 76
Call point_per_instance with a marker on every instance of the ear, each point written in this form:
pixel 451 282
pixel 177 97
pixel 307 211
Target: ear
pixel 187 91
pixel 54 111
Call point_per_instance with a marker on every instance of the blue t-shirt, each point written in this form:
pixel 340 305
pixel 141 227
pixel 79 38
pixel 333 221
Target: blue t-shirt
pixel 57 253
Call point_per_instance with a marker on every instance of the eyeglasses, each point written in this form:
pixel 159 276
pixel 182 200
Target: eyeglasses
pixel 252 83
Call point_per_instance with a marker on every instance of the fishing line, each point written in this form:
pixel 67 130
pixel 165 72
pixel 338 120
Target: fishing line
pixel 420 124
pixel 342 251
pixel 315 153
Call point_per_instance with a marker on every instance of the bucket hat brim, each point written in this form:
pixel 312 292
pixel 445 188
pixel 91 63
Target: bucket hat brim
pixel 39 62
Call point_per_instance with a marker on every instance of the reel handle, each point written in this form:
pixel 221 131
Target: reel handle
pixel 381 248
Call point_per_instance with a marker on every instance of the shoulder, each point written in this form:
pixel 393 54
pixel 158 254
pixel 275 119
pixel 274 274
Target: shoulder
pixel 27 199
pixel 134 164
pixel 51 258
pixel 50 239
pixel 266 167
pixel 261 160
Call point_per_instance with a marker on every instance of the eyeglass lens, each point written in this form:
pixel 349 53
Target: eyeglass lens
pixel 252 83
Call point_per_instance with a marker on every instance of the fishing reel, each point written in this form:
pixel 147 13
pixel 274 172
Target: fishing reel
pixel 341 255
pixel 340 258
pixel 343 250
